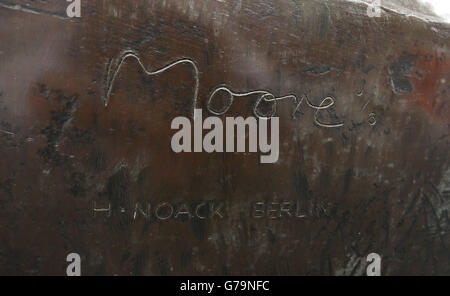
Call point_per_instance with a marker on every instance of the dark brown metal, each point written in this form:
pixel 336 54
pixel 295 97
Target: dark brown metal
pixel 378 184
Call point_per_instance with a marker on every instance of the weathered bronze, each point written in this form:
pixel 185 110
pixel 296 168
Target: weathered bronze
pixel 86 163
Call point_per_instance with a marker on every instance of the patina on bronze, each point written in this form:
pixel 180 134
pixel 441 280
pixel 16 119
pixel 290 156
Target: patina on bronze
pixel 86 105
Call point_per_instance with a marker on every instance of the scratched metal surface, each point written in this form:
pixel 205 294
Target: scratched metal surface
pixel 380 183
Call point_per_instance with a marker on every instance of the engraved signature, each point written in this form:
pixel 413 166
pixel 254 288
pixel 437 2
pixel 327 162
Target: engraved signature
pixel 263 95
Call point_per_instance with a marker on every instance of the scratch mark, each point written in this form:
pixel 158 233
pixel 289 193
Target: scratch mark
pixel 319 70
pixel 365 106
pixel 8 133
pixel 18 7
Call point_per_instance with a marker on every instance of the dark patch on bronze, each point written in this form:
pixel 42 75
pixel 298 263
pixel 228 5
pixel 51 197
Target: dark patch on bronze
pixel 78 184
pixel 117 191
pixel 62 112
pixel 400 72
pixel 7 188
